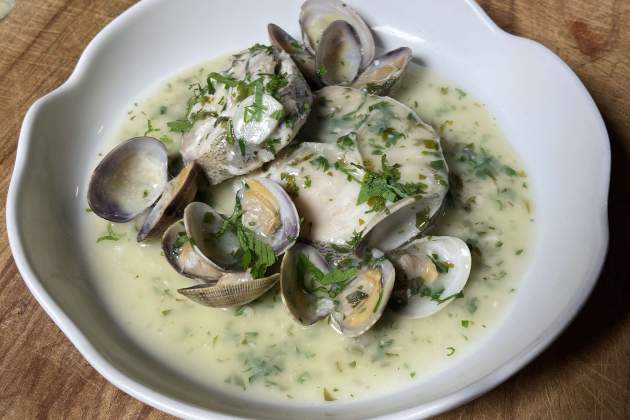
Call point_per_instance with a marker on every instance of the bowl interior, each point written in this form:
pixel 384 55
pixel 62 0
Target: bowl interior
pixel 540 105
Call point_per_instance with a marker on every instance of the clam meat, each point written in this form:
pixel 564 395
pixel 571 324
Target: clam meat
pixel 430 273
pixel 353 294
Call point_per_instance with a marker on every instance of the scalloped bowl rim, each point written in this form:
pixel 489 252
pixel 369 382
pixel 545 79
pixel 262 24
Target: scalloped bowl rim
pixel 184 409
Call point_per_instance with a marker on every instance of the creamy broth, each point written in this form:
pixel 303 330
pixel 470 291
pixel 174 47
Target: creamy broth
pixel 258 349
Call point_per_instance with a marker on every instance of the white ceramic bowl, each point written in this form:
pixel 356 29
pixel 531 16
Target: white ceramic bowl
pixel 541 106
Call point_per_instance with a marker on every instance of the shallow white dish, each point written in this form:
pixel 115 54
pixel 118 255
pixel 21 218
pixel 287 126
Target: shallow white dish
pixel 541 106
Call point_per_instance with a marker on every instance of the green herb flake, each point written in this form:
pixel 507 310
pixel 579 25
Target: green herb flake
pixel 150 128
pixel 321 163
pixel 379 188
pixel 437 164
pixel 450 351
pixel 229 132
pixel 440 266
pixel 111 235
pixel 461 94
pixel 472 305
pixel 165 139
pixel 270 145
pixel 180 126
pixel 303 377
pixel 321 72
pixel 465 323
pixel 308 182
pixel 181 240
pixel 346 142
pixel 291 186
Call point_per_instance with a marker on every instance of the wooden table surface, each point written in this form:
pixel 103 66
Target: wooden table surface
pixel 585 374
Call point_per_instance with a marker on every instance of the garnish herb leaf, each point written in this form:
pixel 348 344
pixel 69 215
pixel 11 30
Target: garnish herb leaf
pixel 111 235
pixel 379 188
pixel 180 126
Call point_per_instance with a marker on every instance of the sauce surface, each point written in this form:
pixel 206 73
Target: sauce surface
pixel 257 348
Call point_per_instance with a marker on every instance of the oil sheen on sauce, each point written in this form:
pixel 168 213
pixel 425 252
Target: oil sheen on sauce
pixel 258 349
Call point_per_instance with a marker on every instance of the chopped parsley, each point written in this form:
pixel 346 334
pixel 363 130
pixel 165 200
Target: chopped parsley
pixel 255 110
pixel 165 139
pixel 390 136
pixel 440 266
pixel 181 240
pixel 321 163
pixel 270 145
pixel 378 188
pixel 275 83
pixel 254 253
pixel 180 126
pixel 321 71
pixel 257 48
pixel 241 145
pixel 291 185
pixel 111 235
pixel 229 132
pixel 335 279
pixel 346 142
pixel 150 128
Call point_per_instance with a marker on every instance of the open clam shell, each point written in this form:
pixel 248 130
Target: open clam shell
pixel 338 58
pixel 302 57
pixel 203 224
pixel 305 306
pixel 270 213
pixel 232 289
pixel 383 74
pixel 182 257
pixel 353 297
pixel 363 301
pixel 129 179
pixel 430 273
pixel 179 191
pixel 317 15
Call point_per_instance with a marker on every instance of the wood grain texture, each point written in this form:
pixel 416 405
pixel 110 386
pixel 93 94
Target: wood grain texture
pixel 585 374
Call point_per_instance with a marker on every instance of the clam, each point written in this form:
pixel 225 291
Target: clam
pixel 301 56
pixel 317 15
pixel 306 307
pixel 337 47
pixel 129 179
pixel 352 294
pixel 269 211
pixel 214 249
pixel 382 75
pixel 178 192
pixel 182 257
pixel 430 273
pixel 338 58
pixel 232 289
pixel 203 225
pixel 363 301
